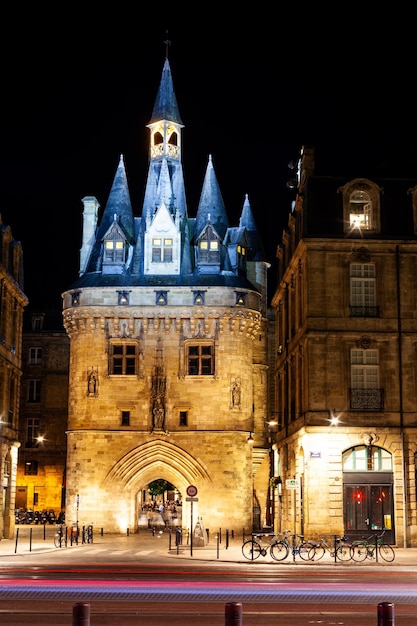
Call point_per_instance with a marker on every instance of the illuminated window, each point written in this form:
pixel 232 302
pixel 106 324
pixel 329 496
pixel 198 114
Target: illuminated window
pixel 360 215
pixel 199 297
pixel 200 359
pixel 31 468
pixel 162 250
pixel 363 289
pixel 364 369
pixel 367 458
pixel 123 359
pixel 208 247
pixel 161 298
pixel 365 393
pixel 114 248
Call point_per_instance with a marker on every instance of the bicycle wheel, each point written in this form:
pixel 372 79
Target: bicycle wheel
pixel 316 553
pixel 57 540
pixel 305 550
pixel 386 552
pixel 251 550
pixel 358 552
pixel 343 552
pixel 279 550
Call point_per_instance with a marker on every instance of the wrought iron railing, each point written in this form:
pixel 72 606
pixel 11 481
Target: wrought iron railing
pixel 367 399
pixel 364 311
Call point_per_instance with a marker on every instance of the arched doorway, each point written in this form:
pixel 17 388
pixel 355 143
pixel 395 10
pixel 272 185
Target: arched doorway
pixel 368 504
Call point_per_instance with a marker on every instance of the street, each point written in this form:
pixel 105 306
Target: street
pixel 140 578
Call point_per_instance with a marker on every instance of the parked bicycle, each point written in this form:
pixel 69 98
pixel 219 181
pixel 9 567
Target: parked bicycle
pixel 59 537
pixel 87 534
pixel 296 546
pixel 371 547
pixel 259 545
pixel 337 547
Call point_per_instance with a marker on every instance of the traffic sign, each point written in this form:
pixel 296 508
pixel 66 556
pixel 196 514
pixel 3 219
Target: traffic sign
pixel 191 499
pixel 192 491
pixel 291 483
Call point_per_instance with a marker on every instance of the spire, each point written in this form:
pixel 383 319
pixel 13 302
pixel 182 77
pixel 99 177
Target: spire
pixel 118 204
pixel 118 208
pixel 256 251
pixel 211 206
pixel 166 107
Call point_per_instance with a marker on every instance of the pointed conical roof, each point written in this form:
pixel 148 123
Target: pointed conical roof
pixel 211 206
pixel 118 208
pixel 256 250
pixel 118 204
pixel 166 107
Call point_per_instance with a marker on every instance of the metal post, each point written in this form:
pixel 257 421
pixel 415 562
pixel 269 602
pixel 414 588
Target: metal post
pixel 81 614
pixel 386 615
pixel 191 526
pixel 233 614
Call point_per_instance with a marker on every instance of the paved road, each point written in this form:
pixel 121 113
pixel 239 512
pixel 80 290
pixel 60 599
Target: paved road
pixel 311 597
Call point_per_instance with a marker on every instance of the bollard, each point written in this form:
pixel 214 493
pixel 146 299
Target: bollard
pixel 81 614
pixel 386 615
pixel 233 614
pixel 30 539
pixel 127 532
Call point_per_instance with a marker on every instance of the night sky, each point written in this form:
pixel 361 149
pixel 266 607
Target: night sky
pixel 78 91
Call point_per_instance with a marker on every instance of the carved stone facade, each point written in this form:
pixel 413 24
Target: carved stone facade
pixel 169 315
pixel 12 304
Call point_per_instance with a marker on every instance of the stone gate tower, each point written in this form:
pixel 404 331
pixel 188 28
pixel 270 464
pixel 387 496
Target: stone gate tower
pixel 168 346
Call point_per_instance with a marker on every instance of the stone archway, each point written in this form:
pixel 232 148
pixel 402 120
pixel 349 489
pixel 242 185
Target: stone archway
pixel 151 460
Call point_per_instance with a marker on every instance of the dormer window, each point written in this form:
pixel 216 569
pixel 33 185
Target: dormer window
pixel 241 258
pixel 360 215
pixel 114 246
pixel 208 247
pixel 361 207
pixel 114 251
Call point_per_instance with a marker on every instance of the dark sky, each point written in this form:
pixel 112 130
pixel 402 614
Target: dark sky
pixel 78 90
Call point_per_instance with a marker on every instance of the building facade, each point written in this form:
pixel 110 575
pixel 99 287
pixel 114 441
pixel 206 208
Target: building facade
pixel 345 365
pixel 168 333
pixel 40 484
pixel 12 304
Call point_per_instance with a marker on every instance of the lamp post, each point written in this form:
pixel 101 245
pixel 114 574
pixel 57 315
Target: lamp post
pixel 272 425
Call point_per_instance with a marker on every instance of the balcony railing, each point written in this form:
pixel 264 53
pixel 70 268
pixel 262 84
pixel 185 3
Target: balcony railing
pixel 367 399
pixel 364 311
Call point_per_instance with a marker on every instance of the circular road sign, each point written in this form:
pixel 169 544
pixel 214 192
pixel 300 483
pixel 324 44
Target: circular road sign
pixel 191 491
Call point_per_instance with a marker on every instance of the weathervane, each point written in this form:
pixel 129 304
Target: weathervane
pixel 167 43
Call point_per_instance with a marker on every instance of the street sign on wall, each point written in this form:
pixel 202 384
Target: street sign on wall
pixel 291 483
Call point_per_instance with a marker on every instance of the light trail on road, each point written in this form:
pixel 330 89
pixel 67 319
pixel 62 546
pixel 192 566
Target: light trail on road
pixel 199 591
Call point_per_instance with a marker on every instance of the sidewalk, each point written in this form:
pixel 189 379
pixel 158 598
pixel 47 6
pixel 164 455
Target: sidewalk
pixel 36 540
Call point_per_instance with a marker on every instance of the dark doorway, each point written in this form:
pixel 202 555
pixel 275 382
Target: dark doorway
pixel 368 506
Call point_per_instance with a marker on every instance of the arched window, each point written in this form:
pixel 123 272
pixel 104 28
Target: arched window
pixel 367 459
pixel 360 210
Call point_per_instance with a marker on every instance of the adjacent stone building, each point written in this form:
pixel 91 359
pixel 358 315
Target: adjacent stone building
pixel 43 413
pixel 12 304
pixel 345 368
pixel 168 334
